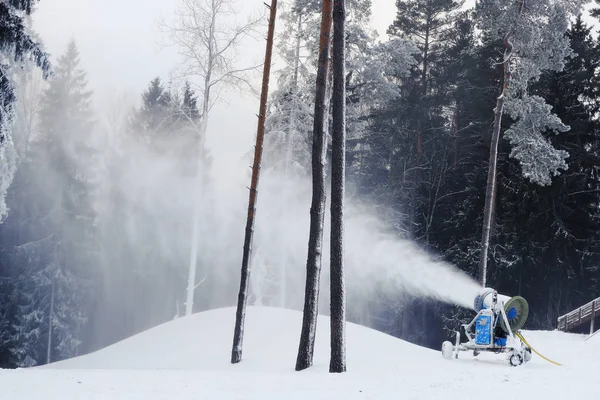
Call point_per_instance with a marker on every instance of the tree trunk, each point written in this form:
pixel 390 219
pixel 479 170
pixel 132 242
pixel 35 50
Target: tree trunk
pixel 337 285
pixel 191 285
pixel 297 53
pixel 317 211
pixel 51 315
pixel 238 336
pixel 288 164
pixel 412 223
pixel 490 195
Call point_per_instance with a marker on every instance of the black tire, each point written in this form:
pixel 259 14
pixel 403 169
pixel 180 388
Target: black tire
pixel 515 360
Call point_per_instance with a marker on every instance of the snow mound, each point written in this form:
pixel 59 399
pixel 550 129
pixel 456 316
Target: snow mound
pixel 188 358
pixel 203 342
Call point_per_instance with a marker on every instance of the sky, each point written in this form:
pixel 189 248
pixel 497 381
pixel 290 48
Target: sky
pixel 119 42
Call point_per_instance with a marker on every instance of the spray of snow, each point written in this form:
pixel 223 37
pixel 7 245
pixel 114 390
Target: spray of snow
pixel 378 261
pixel 156 213
pixel 374 254
pixel 145 220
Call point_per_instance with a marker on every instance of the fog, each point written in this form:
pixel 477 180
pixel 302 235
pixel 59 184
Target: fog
pixel 145 214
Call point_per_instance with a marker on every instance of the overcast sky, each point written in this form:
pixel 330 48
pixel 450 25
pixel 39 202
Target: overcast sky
pixel 119 44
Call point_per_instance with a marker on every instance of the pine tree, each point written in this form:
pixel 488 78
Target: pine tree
pixel 53 294
pixel 317 212
pixel 166 128
pixel 427 23
pixel 17 46
pixel 290 118
pixel 7 336
pixel 189 103
pixel 155 115
pixel 338 185
pixel 521 27
pixel 553 228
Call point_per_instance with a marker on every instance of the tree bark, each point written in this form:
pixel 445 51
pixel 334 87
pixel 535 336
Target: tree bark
pixel 338 163
pixel 317 211
pixel 288 162
pixel 490 195
pixel 412 223
pixel 192 267
pixel 51 315
pixel 238 336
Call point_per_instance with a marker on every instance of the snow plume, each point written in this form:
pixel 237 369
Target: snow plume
pixel 145 223
pixel 143 204
pixel 378 261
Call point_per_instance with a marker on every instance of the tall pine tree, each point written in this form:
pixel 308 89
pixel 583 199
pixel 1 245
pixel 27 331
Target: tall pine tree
pixel 53 290
pixel 16 47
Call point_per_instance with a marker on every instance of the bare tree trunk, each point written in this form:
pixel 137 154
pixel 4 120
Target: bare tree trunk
pixel 317 211
pixel 288 164
pixel 412 216
pixel 208 48
pixel 191 283
pixel 49 351
pixel 193 264
pixel 238 336
pixel 297 53
pixel 490 195
pixel 338 167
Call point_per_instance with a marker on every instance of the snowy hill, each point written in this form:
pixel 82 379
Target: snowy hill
pixel 203 342
pixel 189 359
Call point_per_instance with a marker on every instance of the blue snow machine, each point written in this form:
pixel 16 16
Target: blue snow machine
pixel 494 329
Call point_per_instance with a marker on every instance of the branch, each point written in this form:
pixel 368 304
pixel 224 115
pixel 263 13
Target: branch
pixel 199 283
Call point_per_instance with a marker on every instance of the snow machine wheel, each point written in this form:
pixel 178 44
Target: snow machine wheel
pixel 447 350
pixel 515 359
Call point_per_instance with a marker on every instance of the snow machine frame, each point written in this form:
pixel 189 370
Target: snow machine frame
pixel 516 351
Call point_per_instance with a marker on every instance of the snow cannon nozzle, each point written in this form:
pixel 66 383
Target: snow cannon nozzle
pixel 515 308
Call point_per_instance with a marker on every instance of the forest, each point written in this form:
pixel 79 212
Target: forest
pixel 116 220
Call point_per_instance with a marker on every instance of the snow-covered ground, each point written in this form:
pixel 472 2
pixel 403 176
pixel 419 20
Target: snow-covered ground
pixel 189 359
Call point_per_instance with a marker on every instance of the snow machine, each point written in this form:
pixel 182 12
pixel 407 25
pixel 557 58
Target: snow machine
pixel 494 329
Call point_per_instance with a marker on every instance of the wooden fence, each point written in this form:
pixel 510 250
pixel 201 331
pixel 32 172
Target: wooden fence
pixel 583 314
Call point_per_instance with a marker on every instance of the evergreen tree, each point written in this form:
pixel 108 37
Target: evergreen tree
pixel 427 23
pixel 156 115
pixel 16 47
pixel 52 293
pixel 558 241
pixel 522 27
pixel 7 337
pixel 337 361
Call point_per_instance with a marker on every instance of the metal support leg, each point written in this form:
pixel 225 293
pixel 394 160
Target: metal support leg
pixel 456 344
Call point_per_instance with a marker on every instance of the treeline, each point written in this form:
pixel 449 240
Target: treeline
pixel 436 136
pixel 421 112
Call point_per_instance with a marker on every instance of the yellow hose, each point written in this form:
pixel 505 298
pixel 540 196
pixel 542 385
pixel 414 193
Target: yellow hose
pixel 527 344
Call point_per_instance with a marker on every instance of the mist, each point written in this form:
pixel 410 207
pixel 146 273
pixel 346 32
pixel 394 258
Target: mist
pixel 145 223
pixel 141 191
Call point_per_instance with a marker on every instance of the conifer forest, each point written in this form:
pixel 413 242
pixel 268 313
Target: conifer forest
pixel 471 134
